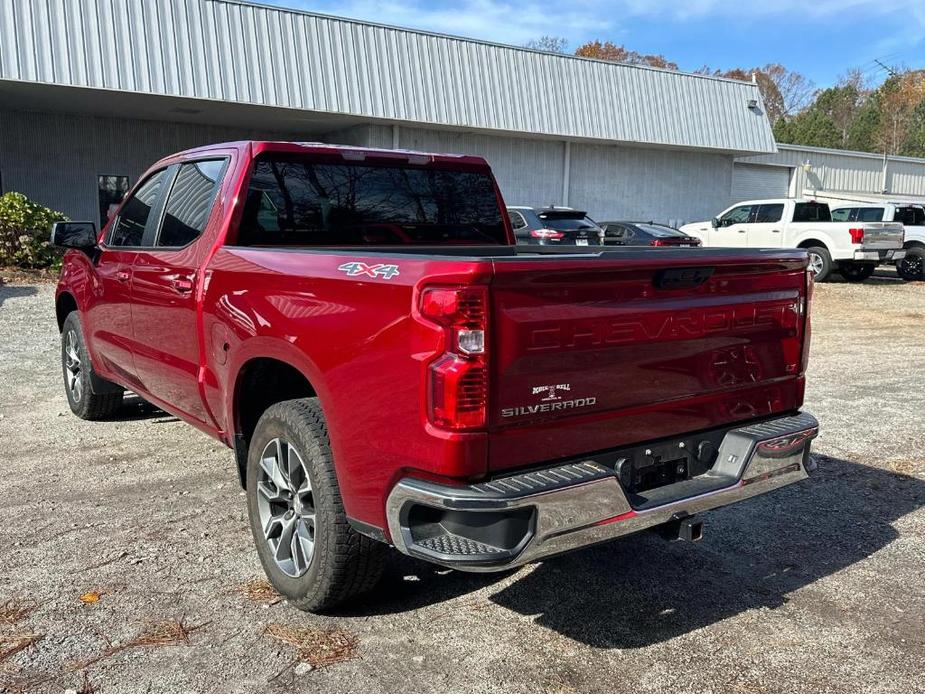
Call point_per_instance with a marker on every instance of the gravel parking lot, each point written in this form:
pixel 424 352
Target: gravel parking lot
pixel 816 588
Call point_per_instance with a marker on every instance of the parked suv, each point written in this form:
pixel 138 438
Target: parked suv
pixel 554 226
pixel 646 234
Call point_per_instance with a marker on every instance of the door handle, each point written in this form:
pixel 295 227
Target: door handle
pixel 184 285
pixel 775 231
pixel 123 275
pixel 742 231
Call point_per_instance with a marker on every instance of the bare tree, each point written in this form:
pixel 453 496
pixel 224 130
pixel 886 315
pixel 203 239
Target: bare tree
pixel 550 44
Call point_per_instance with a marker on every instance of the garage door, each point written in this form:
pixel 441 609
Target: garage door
pixel 754 182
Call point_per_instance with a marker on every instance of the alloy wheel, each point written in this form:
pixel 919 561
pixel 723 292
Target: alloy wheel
pixel 286 507
pixel 816 264
pixel 72 366
pixel 912 266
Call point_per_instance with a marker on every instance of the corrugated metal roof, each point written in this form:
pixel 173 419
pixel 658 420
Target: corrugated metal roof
pixel 235 51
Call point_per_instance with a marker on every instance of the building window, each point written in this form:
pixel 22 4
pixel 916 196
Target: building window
pixel 111 191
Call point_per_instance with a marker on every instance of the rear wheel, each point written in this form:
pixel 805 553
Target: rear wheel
pixel 857 272
pixel 306 546
pixel 912 267
pixel 820 263
pixel 79 376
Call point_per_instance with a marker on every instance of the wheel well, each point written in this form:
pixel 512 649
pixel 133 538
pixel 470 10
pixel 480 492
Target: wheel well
pixel 65 305
pixel 914 244
pixel 809 243
pixel 261 383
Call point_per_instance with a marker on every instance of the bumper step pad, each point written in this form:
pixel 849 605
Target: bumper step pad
pixel 456 545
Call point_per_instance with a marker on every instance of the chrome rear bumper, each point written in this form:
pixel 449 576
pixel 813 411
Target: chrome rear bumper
pixel 515 520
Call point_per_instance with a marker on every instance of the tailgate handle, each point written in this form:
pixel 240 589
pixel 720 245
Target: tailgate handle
pixel 682 278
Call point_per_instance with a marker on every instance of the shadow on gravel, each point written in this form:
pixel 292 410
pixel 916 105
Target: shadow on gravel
pixel 134 409
pixel 642 590
pixel 7 292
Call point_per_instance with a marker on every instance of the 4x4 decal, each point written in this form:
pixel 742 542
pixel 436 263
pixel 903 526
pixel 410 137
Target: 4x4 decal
pixel 355 269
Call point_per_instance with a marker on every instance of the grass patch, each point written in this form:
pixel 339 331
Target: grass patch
pixel 13 611
pixel 260 591
pixel 317 647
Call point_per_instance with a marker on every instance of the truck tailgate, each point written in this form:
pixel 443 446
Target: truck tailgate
pixel 622 347
pixel 882 235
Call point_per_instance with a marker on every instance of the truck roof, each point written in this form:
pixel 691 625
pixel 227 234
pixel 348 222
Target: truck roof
pixel 260 146
pixel 776 201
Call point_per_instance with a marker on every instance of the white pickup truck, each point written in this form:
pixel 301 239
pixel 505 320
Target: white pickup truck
pixel 853 249
pixel 910 214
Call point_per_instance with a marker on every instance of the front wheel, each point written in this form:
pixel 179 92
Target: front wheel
pixel 857 272
pixel 820 263
pixel 79 376
pixel 305 544
pixel 912 268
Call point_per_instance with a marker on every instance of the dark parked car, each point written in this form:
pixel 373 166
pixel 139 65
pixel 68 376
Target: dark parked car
pixel 554 226
pixel 645 234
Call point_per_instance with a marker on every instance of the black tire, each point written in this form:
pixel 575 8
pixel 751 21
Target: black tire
pixel 857 272
pixel 912 267
pixel 342 563
pixel 79 377
pixel 819 257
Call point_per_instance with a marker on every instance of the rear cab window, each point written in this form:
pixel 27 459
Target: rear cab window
pixel 307 200
pixel 811 212
pixel 910 216
pixel 566 220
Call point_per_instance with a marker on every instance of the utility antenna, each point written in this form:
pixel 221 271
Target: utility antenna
pixel 887 68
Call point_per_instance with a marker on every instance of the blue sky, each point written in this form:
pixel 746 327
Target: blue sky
pixel 820 38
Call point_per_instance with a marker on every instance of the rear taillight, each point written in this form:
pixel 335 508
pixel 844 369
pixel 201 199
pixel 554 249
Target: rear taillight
pixel 807 326
pixel 857 235
pixel 457 380
pixel 657 242
pixel 546 234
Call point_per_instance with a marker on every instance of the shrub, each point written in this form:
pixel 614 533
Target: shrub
pixel 25 228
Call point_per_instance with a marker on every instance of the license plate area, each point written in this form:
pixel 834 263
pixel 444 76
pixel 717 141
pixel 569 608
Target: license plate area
pixel 643 468
pixel 581 242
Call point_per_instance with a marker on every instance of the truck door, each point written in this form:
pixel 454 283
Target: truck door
pixel 164 285
pixel 733 228
pixel 766 231
pixel 109 315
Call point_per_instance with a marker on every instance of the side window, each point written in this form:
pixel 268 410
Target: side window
pixel 770 213
pixel 870 214
pixel 133 218
pixel 190 202
pixel 737 215
pixel 517 219
pixel 841 215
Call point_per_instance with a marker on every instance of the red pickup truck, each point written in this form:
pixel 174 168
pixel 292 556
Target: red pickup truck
pixel 389 368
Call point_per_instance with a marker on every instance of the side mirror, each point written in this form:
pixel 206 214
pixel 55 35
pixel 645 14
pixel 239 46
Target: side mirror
pixel 714 223
pixel 79 235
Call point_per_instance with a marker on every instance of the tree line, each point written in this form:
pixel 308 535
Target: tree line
pixel 851 114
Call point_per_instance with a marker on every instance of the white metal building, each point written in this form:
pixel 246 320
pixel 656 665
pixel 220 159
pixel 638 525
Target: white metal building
pixel 93 91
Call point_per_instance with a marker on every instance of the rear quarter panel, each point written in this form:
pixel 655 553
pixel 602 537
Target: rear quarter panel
pixel 357 341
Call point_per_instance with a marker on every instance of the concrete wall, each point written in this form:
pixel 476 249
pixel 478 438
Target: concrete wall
pixel 649 184
pixel 55 158
pixel 610 182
